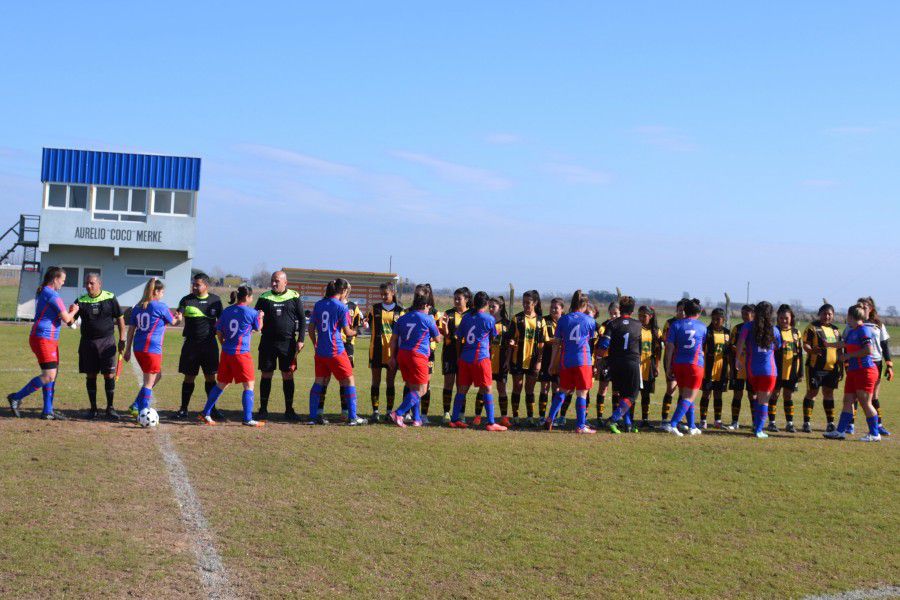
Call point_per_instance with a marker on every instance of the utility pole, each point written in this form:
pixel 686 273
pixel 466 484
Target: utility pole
pixel 748 293
pixel 391 264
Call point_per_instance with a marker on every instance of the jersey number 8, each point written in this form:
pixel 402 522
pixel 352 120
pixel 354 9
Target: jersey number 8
pixel 325 318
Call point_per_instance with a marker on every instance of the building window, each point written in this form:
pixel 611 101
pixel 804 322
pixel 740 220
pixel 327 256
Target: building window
pixel 172 203
pixel 120 204
pixel 60 195
pixel 72 279
pixel 144 272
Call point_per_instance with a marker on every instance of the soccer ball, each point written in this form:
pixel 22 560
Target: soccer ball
pixel 148 418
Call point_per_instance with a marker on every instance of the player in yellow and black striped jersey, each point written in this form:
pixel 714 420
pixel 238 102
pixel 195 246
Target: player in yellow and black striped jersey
pixel 738 378
pixel 651 351
pixel 600 368
pixel 462 299
pixel 716 352
pixel 381 319
pixel 671 385
pixel 789 366
pixel 527 343
pixel 549 381
pixel 823 366
pixel 500 351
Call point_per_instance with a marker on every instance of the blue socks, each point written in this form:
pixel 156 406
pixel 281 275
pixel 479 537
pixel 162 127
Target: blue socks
pixel 690 417
pixel 47 390
pixel 144 396
pixel 315 393
pixel 30 388
pixel 247 403
pixel 622 409
pixel 581 412
pixel 558 399
pixel 489 408
pixel 349 394
pixel 844 421
pixel 410 399
pixel 762 416
pixel 458 403
pixel 872 422
pixel 683 407
pixel 212 399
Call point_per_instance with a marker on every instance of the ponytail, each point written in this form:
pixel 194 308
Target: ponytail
pixel 153 285
pixel 243 292
pixel 763 325
pixel 579 301
pixel 49 275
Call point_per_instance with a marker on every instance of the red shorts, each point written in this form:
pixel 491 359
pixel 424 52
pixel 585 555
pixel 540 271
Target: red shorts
pixel 46 351
pixel 688 376
pixel 478 373
pixel 576 378
pixel 337 366
pixel 413 367
pixel 150 363
pixel 235 368
pixel 763 383
pixel 861 380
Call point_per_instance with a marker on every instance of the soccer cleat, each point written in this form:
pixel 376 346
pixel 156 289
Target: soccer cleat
pixel 870 438
pixel 585 429
pixel 807 428
pixel 206 419
pixel 290 416
pixel 851 429
pixel 397 419
pixel 505 422
pixel 530 422
pixel 458 424
pixel 883 431
pixel 673 430
pixel 321 420
pixel 703 424
pixel 773 427
pixel 376 416
pixel 218 415
pixel 91 414
pixel 133 411
pixel 353 422
pixel 683 428
pixel 613 428
pixel 112 415
pixel 476 421
pixel 790 428
pixel 253 423
pixel 734 426
pixel 634 429
pixel 494 427
pixel 14 406
pixel 561 422
pixel 181 414
pixel 719 425
pixel 830 427
pixel 345 414
pixel 762 435
pixel 695 431
pixel 446 418
pixel 834 434
pixel 262 413
pixel 424 421
pixel 408 418
pixel 548 425
pixel 418 423
pixel 645 424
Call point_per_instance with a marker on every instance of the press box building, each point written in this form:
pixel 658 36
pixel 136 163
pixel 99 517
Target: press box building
pixel 126 216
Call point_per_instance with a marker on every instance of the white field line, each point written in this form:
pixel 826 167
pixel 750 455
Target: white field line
pixel 887 591
pixel 213 577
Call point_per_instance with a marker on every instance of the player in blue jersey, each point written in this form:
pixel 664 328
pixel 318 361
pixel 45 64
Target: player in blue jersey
pixel 331 317
pixel 234 328
pixel 146 329
pixel 573 359
pixel 413 334
pixel 684 363
pixel 475 332
pixel 757 342
pixel 862 374
pixel 49 314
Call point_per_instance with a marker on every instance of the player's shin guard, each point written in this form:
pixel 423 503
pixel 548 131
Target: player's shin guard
pixel 374 394
pixel 265 390
pixel 555 406
pixel 489 408
pixel 287 386
pixel 30 388
pixel 516 401
pixel 808 406
pixel 581 412
pixel 349 394
pixel 187 390
pixel 91 384
pixel 529 405
pixel 109 386
pixel 666 406
pixel 828 405
pixel 47 392
pixel 479 403
pixel 789 410
pixel 621 410
pixel 680 411
pixel 390 394
pixel 410 399
pixel 447 399
pixel 211 400
pixel 772 408
pixel 542 404
pixel 459 405
pixel 247 405
pixel 315 394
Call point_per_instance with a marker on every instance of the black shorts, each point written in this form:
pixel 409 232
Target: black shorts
pixel 603 371
pixel 545 377
pixel 196 356
pixel 501 376
pixel 626 379
pixel 448 360
pixel 738 385
pixel 517 371
pixel 816 379
pixel 277 356
pixel 715 386
pixel 97 356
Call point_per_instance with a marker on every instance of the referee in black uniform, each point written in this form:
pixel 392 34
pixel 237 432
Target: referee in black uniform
pixel 200 310
pixel 283 334
pixel 100 315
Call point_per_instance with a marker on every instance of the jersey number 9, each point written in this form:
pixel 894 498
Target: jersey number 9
pixel 233 327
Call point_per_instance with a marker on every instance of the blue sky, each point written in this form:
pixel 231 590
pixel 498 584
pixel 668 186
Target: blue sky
pixel 661 147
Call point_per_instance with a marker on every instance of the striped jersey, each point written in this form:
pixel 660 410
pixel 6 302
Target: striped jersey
pixel 150 326
pixel 329 317
pixel 415 330
pixel 48 306
pixel 236 325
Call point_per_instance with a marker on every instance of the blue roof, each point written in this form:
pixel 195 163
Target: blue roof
pixel 116 168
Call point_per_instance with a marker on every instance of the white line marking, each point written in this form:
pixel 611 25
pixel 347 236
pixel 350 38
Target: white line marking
pixel 212 571
pixel 887 591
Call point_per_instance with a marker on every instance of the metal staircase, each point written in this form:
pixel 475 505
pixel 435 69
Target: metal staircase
pixel 24 235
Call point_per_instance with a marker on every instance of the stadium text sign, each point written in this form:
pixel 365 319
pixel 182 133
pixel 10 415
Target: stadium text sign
pixel 119 234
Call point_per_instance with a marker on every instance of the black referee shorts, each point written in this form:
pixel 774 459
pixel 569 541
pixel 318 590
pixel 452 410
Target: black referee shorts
pixel 626 379
pixel 196 356
pixel 277 356
pixel 97 356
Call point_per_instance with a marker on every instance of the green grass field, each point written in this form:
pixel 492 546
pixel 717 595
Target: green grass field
pixel 377 511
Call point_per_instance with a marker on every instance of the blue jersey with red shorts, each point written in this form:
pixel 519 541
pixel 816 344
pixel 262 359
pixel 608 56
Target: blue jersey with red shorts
pixel 760 361
pixel 150 326
pixel 47 321
pixel 236 324
pixel 688 336
pixel 415 331
pixel 475 331
pixel 857 339
pixel 574 331
pixel 329 317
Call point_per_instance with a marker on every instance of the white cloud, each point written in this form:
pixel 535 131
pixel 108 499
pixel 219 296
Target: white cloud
pixel 456 172
pixel 667 138
pixel 503 138
pixel 577 174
